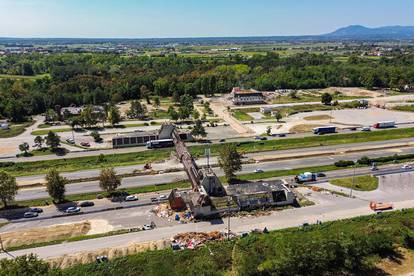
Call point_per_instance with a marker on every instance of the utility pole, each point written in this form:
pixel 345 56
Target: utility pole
pixel 228 217
pixel 353 180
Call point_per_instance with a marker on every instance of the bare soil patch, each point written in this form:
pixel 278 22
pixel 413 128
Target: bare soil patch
pixel 318 118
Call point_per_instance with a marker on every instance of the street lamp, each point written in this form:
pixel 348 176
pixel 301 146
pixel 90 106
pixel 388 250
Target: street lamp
pixel 228 217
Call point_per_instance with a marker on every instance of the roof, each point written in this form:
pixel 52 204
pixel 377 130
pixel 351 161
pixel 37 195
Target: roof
pixel 138 134
pixel 256 187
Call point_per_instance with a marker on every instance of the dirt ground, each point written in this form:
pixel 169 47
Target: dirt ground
pixel 304 128
pixel 111 253
pixel 353 91
pixel 317 118
pixel 45 234
pixel 399 267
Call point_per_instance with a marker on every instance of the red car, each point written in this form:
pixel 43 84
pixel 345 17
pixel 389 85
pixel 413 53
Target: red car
pixel 85 144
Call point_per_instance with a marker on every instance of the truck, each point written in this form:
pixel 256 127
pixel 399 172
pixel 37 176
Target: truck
pixel 324 130
pixel 386 124
pixel 306 177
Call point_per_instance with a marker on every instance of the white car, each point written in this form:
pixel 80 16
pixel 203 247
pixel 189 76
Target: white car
pixel 72 210
pixel 258 171
pixel 131 198
pixel 148 226
pixel 70 141
pixel 162 197
pixel 366 128
pixel 30 214
pixel 406 167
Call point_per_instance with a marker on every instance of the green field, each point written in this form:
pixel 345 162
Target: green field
pixel 359 183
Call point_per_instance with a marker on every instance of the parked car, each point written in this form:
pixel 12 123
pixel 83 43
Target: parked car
pixel 222 140
pixel 149 226
pixel 366 128
pixel 72 210
pixel 36 210
pixel 258 138
pixel 321 174
pixel 258 171
pixel 282 135
pixel 263 138
pixel 353 129
pixel 70 141
pixel 154 199
pixel 30 214
pixel 131 198
pixel 406 167
pixel 162 197
pixel 87 204
pixel 85 144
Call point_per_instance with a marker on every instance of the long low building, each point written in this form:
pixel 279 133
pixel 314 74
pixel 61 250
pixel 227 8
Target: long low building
pixel 140 138
pixel 246 97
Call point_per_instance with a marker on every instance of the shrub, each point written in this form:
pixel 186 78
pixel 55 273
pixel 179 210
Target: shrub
pixel 365 160
pixel 344 163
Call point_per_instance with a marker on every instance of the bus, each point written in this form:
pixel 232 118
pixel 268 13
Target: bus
pixel 156 144
pixel 324 130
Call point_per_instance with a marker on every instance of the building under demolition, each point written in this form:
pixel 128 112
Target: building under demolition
pixel 208 196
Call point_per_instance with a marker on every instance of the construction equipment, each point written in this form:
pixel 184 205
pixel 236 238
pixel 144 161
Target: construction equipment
pixel 380 206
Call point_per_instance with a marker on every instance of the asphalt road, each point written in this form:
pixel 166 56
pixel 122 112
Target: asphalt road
pixel 139 181
pixel 331 208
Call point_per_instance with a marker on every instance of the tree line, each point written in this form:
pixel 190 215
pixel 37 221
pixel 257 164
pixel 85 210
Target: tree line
pixel 82 79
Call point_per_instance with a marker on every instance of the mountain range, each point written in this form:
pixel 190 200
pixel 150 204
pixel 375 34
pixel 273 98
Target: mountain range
pixel 362 32
pixel 350 33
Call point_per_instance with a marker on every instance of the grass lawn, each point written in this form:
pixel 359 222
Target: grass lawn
pixel 46 131
pixel 406 108
pixel 14 130
pixel 360 183
pixel 241 115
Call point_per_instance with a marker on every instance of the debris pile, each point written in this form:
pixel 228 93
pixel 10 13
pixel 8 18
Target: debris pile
pixel 163 210
pixel 192 240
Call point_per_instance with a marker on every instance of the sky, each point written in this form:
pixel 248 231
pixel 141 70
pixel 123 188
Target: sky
pixel 194 18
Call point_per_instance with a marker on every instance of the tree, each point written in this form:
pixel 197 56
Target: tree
pixel 195 115
pixel 173 114
pixel 96 136
pixel 269 131
pixel 145 93
pixel 186 106
pixel 38 140
pixel 157 102
pixel 51 115
pixel 52 140
pixel 199 129
pixel 88 116
pixel 114 116
pixel 137 110
pixel 55 185
pixel 230 161
pixel 108 180
pixel 24 148
pixel 278 116
pixel 8 188
pixel 326 98
pixel 24 265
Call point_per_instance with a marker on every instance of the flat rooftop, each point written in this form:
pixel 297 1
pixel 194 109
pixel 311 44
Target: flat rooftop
pixel 255 187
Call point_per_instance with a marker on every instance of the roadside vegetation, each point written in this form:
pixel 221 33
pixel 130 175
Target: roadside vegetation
pixel 364 183
pixel 405 108
pixel 115 160
pixel 348 247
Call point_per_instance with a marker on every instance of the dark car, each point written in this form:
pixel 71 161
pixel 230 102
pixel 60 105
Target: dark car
pixel 263 138
pixel 353 129
pixel 87 204
pixel 321 174
pixel 36 210
pixel 282 135
pixel 222 140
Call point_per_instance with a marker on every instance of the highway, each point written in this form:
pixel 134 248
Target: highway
pixel 139 181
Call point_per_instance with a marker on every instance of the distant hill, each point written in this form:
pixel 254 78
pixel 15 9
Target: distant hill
pixel 362 32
